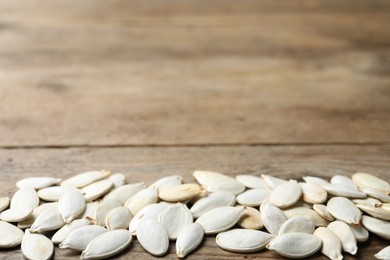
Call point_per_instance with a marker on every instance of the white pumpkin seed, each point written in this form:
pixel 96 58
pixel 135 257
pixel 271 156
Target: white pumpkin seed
pixel 298 225
pixel 315 180
pixel 63 232
pixel 371 182
pixel 4 203
pixel 331 244
pixel 36 212
pixel 384 254
pixel 107 244
pixel 209 178
pixel 251 219
pixel 272 182
pixel 53 193
pixel 152 237
pixel 118 179
pixel 179 192
pixel 118 218
pixel 361 234
pixel 151 211
pixel 286 194
pixel 368 201
pixel 323 211
pixel 377 195
pixel 97 189
pixel 220 219
pixel 374 211
pixel 15 214
pixel 125 192
pixel 189 239
pixel 343 209
pixel 377 226
pixel 386 206
pixel 253 197
pixel 272 217
pixel 174 218
pixel 141 199
pixel 80 238
pixel 231 186
pixel 306 213
pixel 252 182
pixel 295 245
pixel 343 180
pixel 49 219
pixel 347 238
pixel 102 210
pixel 212 201
pixel 313 193
pixel 25 197
pixel 90 210
pixel 85 178
pixel 38 182
pixel 36 246
pixel 167 181
pixel 71 205
pixel 344 191
pixel 10 235
pixel 243 240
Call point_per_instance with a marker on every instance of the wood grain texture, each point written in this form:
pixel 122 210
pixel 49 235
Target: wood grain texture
pixel 148 164
pixel 193 72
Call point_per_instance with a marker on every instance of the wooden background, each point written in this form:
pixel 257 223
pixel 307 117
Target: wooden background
pixel 153 88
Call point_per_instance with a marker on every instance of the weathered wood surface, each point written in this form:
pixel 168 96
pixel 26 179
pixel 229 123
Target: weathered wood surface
pixel 148 164
pixel 193 72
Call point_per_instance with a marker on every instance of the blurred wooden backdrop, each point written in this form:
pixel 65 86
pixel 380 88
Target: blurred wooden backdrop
pixel 152 88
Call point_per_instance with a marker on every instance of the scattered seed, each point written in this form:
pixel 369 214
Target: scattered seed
pixel 251 219
pixel 174 218
pixel 53 193
pixel 125 192
pixel 180 192
pixel 384 254
pixel 315 180
pixel 10 235
pixel 71 205
pixel 298 225
pixel 38 182
pixel 118 218
pixel 25 197
pixel 331 244
pixel 253 197
pixel 189 239
pixel 343 209
pixel 306 213
pixel 167 181
pixel 343 180
pixel 220 219
pixel 313 193
pixel 344 191
pixel 286 194
pixel 368 201
pixel 361 234
pixel 377 195
pixel 377 226
pixel 36 212
pixel 118 179
pixel 80 238
pixel 49 219
pixel 151 211
pixel 15 214
pixel 371 182
pixel 377 212
pixel 272 217
pixel 252 182
pixel 63 232
pixel 323 211
pixel 152 237
pixel 141 199
pixel 97 189
pixel 102 210
pixel 243 240
pixel 346 236
pixel 36 246
pixel 85 178
pixel 272 182
pixel 212 201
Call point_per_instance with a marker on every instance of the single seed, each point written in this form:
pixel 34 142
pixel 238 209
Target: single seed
pixel 344 191
pixel 102 210
pixel 36 246
pixel 4 203
pixel 180 192
pixel 272 217
pixel 174 218
pixel 125 192
pixel 189 239
pixel 25 197
pixel 371 182
pixel 384 254
pixel 151 211
pixel 346 236
pixel 36 212
pixel 212 201
pixel 97 189
pixel 252 182
pixel 377 226
pixel 118 218
pixel 53 193
pixel 306 213
pixel 220 219
pixel 374 211
pixel 85 178
pixel 331 244
pixel 286 194
pixel 152 237
pixel 323 211
pixel 10 235
pixel 297 224
pixel 167 181
pixel 343 209
pixel 315 180
pixel 141 199
pixel 243 240
pixel 368 201
pixel 251 219
pixel 49 219
pixel 118 179
pixel 80 238
pixel 71 205
pixel 272 182
pixel 38 182
pixel 313 193
pixel 15 214
pixel 344 180
pixel 63 232
pixel 361 234
pixel 253 197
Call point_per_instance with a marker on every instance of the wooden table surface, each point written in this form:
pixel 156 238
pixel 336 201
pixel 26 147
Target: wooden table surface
pixel 154 88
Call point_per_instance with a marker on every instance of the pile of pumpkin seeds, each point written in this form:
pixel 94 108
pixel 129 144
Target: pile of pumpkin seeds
pixel 97 214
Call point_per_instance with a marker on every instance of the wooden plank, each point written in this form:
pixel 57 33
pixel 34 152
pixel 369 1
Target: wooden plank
pixel 173 72
pixel 148 164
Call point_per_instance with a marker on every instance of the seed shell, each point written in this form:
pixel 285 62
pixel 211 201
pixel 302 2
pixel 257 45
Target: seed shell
pixel 15 214
pixel 141 199
pixel 272 217
pixel 252 182
pixel 253 197
pixel 80 238
pixel 36 246
pixel 384 254
pixel 297 224
pixel 212 201
pixel 167 181
pixel 344 191
pixel 251 219
pixel 243 240
pixel 343 180
pixel 174 218
pixel 371 182
pixel 345 210
pixel 49 219
pixel 118 218
pixel 323 211
pixel 25 197
pixel 71 205
pixel 4 203
pixel 374 211
pixel 63 232
pixel 151 211
pixel 10 235
pixel 361 234
pixel 313 193
pixel 377 226
pixel 118 179
pixel 97 189
pixel 85 178
pixel 220 219
pixel 180 192
pixel 286 194
pixel 36 212
pixel 53 193
pixel 38 182
pixel 152 237
pixel 189 239
pixel 331 244
pixel 125 192
pixel 346 236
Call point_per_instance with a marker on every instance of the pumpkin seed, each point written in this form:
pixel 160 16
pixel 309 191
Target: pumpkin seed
pixel 102 210
pixel 371 182
pixel 243 240
pixel 295 245
pixel 25 197
pixel 15 214
pixel 49 219
pixel 167 181
pixel 97 189
pixel 253 197
pixel 151 211
pixel 38 182
pixel 306 213
pixel 297 224
pixel 331 244
pixel 251 219
pixel 174 218
pixel 361 234
pixel 85 178
pixel 313 193
pixel 209 178
pixel 368 201
pixel 36 246
pixel 4 203
pixel 36 212
pixel 63 232
pixel 141 199
pixel 220 219
pixel 152 237
pixel 71 205
pixel 386 206
pixel 233 186
pixel 272 182
pixel 377 195
pixel 53 193
pixel 80 238
pixel 90 210
pixel 374 211
pixel 323 211
pixel 346 236
pixel 286 194
pixel 189 239
pixel 377 226
pixel 118 218
pixel 343 209
pixel 384 254
pixel 315 180
pixel 343 180
pixel 125 192
pixel 107 244
pixel 272 217
pixel 344 191
pixel 179 192
pixel 118 179
pixel 10 236
pixel 212 201
pixel 252 182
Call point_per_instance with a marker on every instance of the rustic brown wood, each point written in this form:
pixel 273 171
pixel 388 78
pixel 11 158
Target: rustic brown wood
pixel 189 72
pixel 148 164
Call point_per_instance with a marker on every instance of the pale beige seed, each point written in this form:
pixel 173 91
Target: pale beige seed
pixel 151 211
pixel 15 214
pixel 36 212
pixel 107 244
pixel 118 179
pixel 386 206
pixel 368 201
pixel 331 244
pixel 125 192
pixel 377 226
pixel 141 199
pixel 102 210
pixel 272 182
pixel 53 193
pixel 220 219
pixel 251 219
pixel 38 182
pixel 180 192
pixel 71 205
pixel 295 245
pixel 63 232
pixel 167 181
pixel 384 254
pixel 374 211
pixel 189 239
pixel 209 178
pixel 377 195
pixel 80 238
pixel 25 197
pixel 152 237
pixel 174 218
pixel 212 201
pixel 286 194
pixel 297 224
pixel 323 211
pixel 315 180
pixel 85 178
pixel 10 235
pixel 343 180
pixel 50 219
pixel 346 236
pixel 252 182
pixel 4 203
pixel 313 193
pixel 361 234
pixel 344 209
pixel 243 240
pixel 97 189
pixel 36 246
pixel 306 213
pixel 234 187
pixel 90 210
pixel 253 197
pixel 118 218
pixel 371 182
pixel 272 217
pixel 344 191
